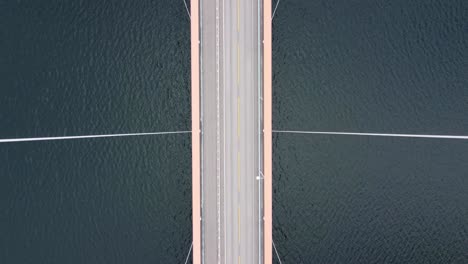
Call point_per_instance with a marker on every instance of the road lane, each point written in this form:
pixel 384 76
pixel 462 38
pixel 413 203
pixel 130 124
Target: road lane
pixel 229 43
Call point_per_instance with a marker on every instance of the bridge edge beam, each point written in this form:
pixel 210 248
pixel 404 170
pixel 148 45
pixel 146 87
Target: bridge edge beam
pixel 195 108
pixel 267 133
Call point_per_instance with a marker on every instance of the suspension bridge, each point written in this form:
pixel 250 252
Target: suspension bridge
pixel 231 94
pixel 231 131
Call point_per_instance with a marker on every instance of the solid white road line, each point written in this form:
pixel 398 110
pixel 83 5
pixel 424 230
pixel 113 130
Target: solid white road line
pixel 218 161
pixel 224 134
pixel 276 251
pixel 188 255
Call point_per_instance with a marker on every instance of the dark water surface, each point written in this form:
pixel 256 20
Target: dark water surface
pixel 94 67
pixel 371 66
pixel 96 201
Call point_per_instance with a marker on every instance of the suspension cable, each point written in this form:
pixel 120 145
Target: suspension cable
pixel 186 8
pixel 277 255
pixel 372 134
pixel 274 12
pixel 9 140
pixel 188 255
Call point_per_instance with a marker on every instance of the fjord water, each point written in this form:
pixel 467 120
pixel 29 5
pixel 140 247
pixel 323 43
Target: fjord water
pixel 370 66
pixel 94 67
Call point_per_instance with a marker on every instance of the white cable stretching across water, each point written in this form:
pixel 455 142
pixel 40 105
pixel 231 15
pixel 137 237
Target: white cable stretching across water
pixel 372 134
pixel 274 11
pixel 188 255
pixel 186 8
pixel 277 255
pixel 9 140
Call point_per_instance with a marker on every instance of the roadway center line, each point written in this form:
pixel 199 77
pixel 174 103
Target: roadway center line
pixel 238 117
pixel 238 15
pixel 239 224
pixel 238 171
pixel 238 64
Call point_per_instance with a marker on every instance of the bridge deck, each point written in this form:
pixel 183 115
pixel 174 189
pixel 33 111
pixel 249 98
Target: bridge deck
pixel 231 146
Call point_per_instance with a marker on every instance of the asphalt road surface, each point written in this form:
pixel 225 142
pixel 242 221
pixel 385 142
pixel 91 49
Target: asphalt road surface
pixel 230 130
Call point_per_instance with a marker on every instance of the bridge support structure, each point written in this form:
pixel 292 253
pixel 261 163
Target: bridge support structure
pixel 267 134
pixel 195 98
pixel 196 132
